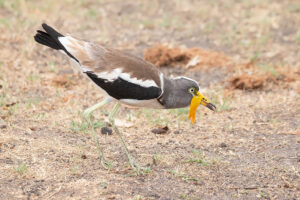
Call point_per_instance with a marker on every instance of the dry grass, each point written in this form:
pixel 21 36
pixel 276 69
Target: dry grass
pixel 249 149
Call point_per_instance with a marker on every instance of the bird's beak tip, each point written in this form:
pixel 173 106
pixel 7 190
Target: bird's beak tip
pixel 211 106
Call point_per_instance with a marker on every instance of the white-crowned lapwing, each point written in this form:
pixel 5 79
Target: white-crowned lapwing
pixel 125 78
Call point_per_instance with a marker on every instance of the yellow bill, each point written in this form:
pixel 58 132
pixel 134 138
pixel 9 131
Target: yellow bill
pixel 196 101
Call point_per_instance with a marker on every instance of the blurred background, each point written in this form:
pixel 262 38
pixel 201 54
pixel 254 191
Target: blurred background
pixel 245 56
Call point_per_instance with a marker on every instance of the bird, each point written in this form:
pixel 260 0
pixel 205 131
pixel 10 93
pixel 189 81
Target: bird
pixel 125 78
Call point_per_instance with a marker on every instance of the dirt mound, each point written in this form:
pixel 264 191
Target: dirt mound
pixel 247 82
pixel 208 58
pixel 162 55
pixel 62 81
pixel 258 78
pixel 289 75
pixel 252 75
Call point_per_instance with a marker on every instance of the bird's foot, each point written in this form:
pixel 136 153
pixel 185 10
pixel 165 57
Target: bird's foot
pixel 87 114
pixel 139 170
pixel 106 164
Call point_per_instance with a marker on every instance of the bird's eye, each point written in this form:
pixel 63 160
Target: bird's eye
pixel 192 90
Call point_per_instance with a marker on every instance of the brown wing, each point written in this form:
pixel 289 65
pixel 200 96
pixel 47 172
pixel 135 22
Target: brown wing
pixel 98 59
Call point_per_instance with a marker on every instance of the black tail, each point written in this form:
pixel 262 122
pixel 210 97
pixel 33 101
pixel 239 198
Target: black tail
pixel 50 39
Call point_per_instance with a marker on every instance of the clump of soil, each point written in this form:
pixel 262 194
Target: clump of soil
pixel 162 55
pixel 209 58
pixel 62 81
pixel 247 82
pixel 252 77
pixel 289 75
pixel 258 79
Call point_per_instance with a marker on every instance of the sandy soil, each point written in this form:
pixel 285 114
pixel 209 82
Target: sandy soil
pixel 248 149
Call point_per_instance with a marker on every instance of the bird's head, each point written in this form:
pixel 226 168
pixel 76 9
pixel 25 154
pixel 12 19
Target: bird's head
pixel 190 94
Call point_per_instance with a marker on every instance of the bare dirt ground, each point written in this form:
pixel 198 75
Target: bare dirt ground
pixel 249 149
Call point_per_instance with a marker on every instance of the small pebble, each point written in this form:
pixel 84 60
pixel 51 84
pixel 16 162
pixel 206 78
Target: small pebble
pixel 105 130
pixel 177 132
pixel 3 126
pixel 223 145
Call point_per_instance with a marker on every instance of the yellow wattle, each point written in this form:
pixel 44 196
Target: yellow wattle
pixel 193 107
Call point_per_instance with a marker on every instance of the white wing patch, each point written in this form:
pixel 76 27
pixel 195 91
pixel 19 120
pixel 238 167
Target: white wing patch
pixel 144 83
pixel 117 73
pixel 162 84
pixel 110 76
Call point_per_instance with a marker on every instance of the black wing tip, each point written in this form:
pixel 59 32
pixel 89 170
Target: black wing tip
pixel 44 25
pixel 50 39
pixel 47 38
pixel 47 28
pixel 51 31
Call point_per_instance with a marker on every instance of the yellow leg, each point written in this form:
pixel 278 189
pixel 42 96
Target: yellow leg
pixel 87 114
pixel 135 166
